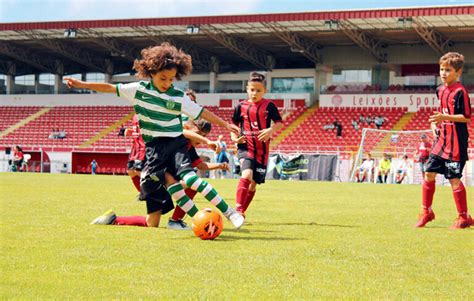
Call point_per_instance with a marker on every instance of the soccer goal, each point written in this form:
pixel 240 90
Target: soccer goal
pixel 395 144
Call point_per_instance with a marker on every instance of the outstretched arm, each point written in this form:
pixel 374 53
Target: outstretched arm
pixel 213 118
pixel 98 87
pixel 213 166
pixel 195 138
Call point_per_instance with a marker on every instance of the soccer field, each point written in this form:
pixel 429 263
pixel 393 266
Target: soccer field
pixel 302 240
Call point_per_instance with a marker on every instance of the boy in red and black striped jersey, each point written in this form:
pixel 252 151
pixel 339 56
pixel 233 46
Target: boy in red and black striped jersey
pixel 137 154
pixel 449 153
pixel 254 116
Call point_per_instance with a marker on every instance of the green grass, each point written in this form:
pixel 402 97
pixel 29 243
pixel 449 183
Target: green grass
pixel 302 240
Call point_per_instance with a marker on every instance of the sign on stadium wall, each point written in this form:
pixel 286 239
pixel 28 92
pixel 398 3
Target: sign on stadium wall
pixel 411 101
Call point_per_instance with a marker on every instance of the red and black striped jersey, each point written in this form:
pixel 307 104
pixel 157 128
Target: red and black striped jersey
pixel 453 138
pixel 138 145
pixel 253 118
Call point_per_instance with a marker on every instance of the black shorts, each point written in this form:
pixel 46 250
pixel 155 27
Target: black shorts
pixel 450 169
pixel 162 155
pixel 167 154
pixel 135 164
pixel 163 203
pixel 259 171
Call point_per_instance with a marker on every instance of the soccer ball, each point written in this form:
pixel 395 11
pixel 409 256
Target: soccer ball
pixel 207 224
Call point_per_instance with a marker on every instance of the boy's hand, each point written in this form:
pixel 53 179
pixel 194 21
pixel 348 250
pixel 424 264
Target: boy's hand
pixel 73 83
pixel 233 128
pixel 436 117
pixel 214 145
pixel 435 129
pixel 224 166
pixel 265 134
pixel 239 140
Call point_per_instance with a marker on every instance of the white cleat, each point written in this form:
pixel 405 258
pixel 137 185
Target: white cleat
pixel 107 218
pixel 235 218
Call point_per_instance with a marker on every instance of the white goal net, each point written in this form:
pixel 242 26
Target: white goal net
pixel 396 144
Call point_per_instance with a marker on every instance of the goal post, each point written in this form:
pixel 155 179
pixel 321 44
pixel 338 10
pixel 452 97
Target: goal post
pixel 395 144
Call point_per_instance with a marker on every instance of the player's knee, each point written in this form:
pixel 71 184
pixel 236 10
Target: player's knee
pixel 455 183
pixel 430 176
pixel 247 174
pixel 131 172
pixel 191 180
pixel 153 219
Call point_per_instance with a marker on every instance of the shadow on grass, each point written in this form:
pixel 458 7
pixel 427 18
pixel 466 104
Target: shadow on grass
pixel 270 238
pixel 307 224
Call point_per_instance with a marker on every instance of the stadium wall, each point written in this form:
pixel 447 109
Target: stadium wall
pixel 204 99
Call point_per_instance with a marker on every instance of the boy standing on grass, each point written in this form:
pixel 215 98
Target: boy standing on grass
pixel 159 106
pixel 449 153
pixel 254 116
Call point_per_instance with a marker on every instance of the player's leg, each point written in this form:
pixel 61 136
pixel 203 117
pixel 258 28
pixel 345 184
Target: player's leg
pixel 258 177
pixel 434 165
pixel 454 174
pixel 176 221
pixel 203 187
pixel 244 184
pixel 153 219
pixel 180 164
pixel 134 172
pixel 176 190
pixel 250 196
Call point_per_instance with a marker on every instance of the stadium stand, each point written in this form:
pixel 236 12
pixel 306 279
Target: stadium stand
pixel 80 124
pixel 311 136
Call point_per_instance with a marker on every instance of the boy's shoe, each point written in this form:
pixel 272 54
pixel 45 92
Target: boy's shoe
pixel 235 218
pixel 463 222
pixel 107 218
pixel 177 225
pixel 424 218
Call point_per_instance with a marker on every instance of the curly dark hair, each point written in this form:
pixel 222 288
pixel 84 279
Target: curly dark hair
pixel 163 57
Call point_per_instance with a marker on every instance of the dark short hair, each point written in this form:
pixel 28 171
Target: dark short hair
pixel 257 77
pixel 204 126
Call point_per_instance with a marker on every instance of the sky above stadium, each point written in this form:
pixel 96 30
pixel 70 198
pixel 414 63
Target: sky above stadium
pixel 67 10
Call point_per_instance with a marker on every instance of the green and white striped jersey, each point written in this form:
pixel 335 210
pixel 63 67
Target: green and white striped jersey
pixel 159 113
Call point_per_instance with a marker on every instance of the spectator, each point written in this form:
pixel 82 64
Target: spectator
pixel 121 131
pixel 402 170
pixel 384 169
pixel 222 157
pixel 338 127
pixel 62 134
pixel 94 166
pixel 369 120
pixel 328 126
pixel 379 121
pixel 17 158
pixel 54 134
pixel 355 124
pixel 366 168
pixel 361 119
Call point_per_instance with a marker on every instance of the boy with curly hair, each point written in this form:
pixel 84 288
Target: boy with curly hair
pixel 159 105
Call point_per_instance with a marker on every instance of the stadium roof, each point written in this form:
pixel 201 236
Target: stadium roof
pixel 228 43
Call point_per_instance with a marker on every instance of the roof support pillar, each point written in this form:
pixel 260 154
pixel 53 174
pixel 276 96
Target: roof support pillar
pixel 10 80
